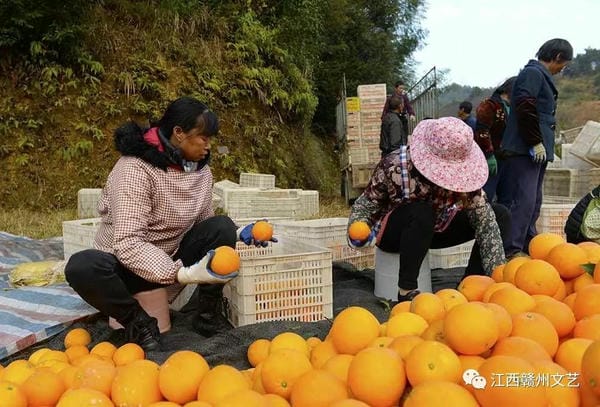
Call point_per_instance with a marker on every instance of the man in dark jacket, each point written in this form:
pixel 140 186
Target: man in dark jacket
pixel 392 134
pixel 407 110
pixel 528 140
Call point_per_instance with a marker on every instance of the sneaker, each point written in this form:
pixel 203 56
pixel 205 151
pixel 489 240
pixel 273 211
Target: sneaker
pixel 144 332
pixel 209 325
pixel 406 297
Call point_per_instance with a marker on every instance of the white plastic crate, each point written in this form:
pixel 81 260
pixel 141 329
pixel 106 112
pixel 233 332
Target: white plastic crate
pixel 553 217
pixel 261 207
pixel 217 201
pixel 371 91
pixel 248 179
pixel 87 202
pixel 288 280
pixel 329 233
pixel 570 182
pixel 450 257
pixel 79 235
pixel 309 203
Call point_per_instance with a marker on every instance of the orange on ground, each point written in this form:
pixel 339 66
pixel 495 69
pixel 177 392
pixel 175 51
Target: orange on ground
pixel 582 281
pixel 570 353
pixel 537 277
pixel 503 319
pixel 473 287
pixel 354 329
pixel 523 348
pixel 11 395
pixel 77 336
pixel 376 376
pixel 220 382
pixel 43 388
pixel 403 306
pixel 104 349
pixel 281 369
pixel 180 375
pixel 84 397
pixel 541 244
pixel 587 301
pixel 514 300
pixel 429 306
pixel 564 394
pixel 225 261
pixel 18 371
pixel 321 353
pixel 439 393
pixel 567 258
pixel 289 340
pixel 510 269
pixel 496 394
pixel 493 288
pixel 451 298
pixel 258 351
pixel 498 273
pixel 338 365
pixel 76 351
pixel 402 345
pixel 405 323
pixel 590 367
pixel 588 327
pixel 317 388
pixel 262 231
pixel 136 384
pixel 558 313
pixel 470 329
pixel 359 231
pixel 432 360
pixel 537 327
pixel 128 353
pixel 95 374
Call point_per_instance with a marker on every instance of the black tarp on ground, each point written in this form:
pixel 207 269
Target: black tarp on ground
pixel 350 287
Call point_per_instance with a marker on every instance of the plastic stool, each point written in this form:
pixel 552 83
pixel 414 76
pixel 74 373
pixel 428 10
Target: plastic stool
pixel 386 275
pixel 156 304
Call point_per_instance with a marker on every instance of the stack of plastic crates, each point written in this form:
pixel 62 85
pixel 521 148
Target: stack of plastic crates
pixel 451 257
pixel 554 213
pixel 253 180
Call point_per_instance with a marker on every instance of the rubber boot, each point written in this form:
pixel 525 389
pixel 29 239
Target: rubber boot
pixel 209 319
pixel 143 330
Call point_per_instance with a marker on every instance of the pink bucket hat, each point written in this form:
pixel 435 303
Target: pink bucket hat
pixel 444 151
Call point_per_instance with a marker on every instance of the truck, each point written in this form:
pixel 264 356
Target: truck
pixel 358 124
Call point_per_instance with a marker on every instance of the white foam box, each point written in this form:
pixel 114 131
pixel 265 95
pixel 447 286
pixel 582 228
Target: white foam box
pixel 79 235
pixel 87 202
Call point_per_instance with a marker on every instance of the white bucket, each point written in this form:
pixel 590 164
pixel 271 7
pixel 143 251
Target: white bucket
pixel 386 275
pixel 156 304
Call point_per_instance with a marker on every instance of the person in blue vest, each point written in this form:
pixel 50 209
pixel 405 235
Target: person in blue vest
pixel 528 141
pixel 464 113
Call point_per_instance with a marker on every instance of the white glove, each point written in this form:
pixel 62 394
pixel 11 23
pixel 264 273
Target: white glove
pixel 538 153
pixel 200 273
pixel 413 118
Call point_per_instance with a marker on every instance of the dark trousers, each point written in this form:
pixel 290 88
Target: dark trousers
pixel 409 232
pixel 522 195
pixel 104 283
pixel 496 184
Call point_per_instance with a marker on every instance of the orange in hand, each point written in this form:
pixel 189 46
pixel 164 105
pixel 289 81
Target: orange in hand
pixel 225 261
pixel 359 230
pixel 262 231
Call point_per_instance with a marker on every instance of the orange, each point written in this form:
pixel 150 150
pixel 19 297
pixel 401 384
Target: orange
pixel 405 323
pixel 354 329
pixel 582 281
pixel 84 397
pixel 313 341
pixel 225 261
pixel 289 340
pixel 338 365
pixel 570 353
pixel 498 393
pixel 541 244
pixel 51 357
pixel 273 400
pixel 382 342
pixel 349 403
pixel 561 293
pixel 382 329
pixel 43 388
pixel 514 300
pixel 473 287
pixel 11 395
pixel 588 327
pixel 17 371
pixel 281 370
pixel 593 251
pixel 451 298
pixel 567 258
pixel 432 360
pixel 558 313
pixel 257 380
pixel 510 269
pixel 470 329
pixel 569 285
pixel 402 345
pixel 493 288
pixel 198 404
pixel 376 376
pixel 76 351
pixel 242 398
pixel 258 351
pixel 317 388
pixel 403 306
pixel 466 363
pixel 435 332
pixel 86 358
pixel 537 327
pixel 498 273
pixel 128 353
pixel 439 393
pixel 429 306
pixel 587 301
pixel 321 353
pixel 570 300
pixel 163 404
pixel 564 394
pixel 220 382
pixel 180 375
pixel 359 231
pixel 68 376
pixel 587 395
pixel 136 384
pixel 523 348
pixel 590 367
pixel 77 336
pixel 597 273
pixel 34 358
pixel 262 231
pixel 104 349
pixel 503 319
pixel 537 277
pixel 95 374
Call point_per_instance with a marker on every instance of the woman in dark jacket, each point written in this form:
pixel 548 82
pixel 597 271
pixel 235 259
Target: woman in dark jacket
pixel 575 219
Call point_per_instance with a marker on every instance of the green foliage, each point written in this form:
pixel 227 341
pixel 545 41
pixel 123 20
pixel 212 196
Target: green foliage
pixel 584 64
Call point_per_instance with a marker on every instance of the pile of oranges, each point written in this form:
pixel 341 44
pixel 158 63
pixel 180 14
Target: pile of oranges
pixel 531 330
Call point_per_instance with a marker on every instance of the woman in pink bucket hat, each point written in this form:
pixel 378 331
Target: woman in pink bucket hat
pixel 428 195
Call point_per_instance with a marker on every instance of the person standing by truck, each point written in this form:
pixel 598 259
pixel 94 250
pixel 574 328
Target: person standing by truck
pixel 407 111
pixel 392 134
